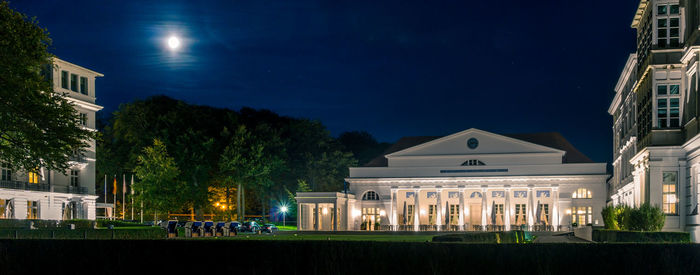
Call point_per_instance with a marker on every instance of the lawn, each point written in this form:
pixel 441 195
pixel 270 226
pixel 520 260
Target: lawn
pixel 323 237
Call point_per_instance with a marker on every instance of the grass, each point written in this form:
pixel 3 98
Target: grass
pixel 287 228
pixel 315 237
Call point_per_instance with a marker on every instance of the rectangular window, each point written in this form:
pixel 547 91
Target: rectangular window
pixel 74 82
pixel 64 80
pixel 454 214
pixel 409 214
pixel 3 209
pixel 83 85
pixel 581 215
pixel 74 179
pixel 83 119
pixel 668 26
pixel 520 214
pixel 669 193
pixel 32 210
pixel 6 173
pixel 432 211
pixel 33 177
pixel 668 105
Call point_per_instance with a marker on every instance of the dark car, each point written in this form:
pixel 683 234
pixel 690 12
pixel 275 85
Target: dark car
pixel 269 228
pixel 250 227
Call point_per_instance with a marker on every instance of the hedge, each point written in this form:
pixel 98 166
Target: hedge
pixel 615 236
pixel 515 236
pixel 117 223
pixel 90 234
pixel 340 257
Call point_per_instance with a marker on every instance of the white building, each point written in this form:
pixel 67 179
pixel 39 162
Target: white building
pixel 51 194
pixel 471 180
pixel 655 116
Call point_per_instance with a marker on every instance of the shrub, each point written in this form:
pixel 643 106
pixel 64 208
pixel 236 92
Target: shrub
pixel 515 236
pixel 94 234
pixel 646 218
pixel 117 223
pixel 614 236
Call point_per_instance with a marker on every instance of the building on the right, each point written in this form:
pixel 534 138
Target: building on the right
pixel 656 113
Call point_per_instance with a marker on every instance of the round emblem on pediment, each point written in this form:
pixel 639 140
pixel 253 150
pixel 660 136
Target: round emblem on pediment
pixel 472 143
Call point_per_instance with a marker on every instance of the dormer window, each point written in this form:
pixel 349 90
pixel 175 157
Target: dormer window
pixel 473 162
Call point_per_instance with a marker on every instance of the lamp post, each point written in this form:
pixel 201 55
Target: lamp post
pixel 284 212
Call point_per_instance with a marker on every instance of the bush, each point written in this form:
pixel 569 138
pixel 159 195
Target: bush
pixel 94 234
pixel 117 223
pixel 515 236
pixel 644 218
pixel 615 236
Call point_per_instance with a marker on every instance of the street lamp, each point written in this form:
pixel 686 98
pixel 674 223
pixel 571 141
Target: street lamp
pixel 284 211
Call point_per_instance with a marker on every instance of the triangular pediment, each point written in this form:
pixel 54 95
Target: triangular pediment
pixel 474 142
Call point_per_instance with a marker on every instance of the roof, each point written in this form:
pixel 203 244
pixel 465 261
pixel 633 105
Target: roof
pixel 551 139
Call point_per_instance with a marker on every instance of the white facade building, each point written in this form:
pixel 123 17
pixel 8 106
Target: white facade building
pixel 471 180
pixel 51 195
pixel 656 113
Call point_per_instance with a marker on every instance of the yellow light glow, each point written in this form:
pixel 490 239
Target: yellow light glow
pixel 568 211
pixel 382 213
pixel 324 211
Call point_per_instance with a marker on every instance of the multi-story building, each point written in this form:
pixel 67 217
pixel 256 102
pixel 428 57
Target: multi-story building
pixel 655 112
pixel 58 195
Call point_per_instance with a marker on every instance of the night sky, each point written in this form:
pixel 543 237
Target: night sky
pixel 392 68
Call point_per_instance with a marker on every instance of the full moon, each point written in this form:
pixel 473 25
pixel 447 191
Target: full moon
pixel 173 42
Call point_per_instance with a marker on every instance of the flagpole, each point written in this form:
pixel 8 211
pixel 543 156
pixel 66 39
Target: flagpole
pixel 105 195
pixel 132 196
pixel 123 196
pixel 114 195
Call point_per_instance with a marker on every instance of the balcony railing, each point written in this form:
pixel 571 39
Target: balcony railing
pixel 23 185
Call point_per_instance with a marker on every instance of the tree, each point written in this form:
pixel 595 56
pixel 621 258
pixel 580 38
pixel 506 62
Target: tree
pixel 243 165
pixel 38 127
pixel 158 187
pixel 363 145
pixel 302 186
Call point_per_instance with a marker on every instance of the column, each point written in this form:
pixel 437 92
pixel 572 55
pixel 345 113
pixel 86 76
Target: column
pixel 483 209
pixel 530 206
pixel 299 219
pixel 555 208
pixel 394 202
pixel 416 210
pixel 506 209
pixel 461 209
pixel 317 213
pixel 438 209
pixel 335 215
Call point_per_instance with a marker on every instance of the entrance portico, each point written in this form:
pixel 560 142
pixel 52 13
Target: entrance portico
pixel 473 180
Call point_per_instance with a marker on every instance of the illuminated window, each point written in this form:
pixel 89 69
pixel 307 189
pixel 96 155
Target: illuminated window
pixel 454 214
pixel 543 213
pixel 6 173
pixel 32 210
pixel 83 85
pixel 74 179
pixel 370 196
pixel 74 82
pixel 499 214
pixel 409 214
pixel 581 215
pixel 520 214
pixel 3 209
pixel 432 211
pixel 33 177
pixel 64 80
pixel 668 26
pixel 582 193
pixel 669 193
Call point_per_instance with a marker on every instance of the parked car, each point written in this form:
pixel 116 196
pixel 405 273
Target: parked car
pixel 250 227
pixel 269 228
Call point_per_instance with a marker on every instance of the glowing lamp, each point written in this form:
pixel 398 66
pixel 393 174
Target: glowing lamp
pixel 382 213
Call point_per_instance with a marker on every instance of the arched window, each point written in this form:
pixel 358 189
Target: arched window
pixel 370 196
pixel 473 162
pixel 582 193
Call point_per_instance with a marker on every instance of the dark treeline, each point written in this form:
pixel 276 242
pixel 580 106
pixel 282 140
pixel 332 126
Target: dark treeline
pixel 294 151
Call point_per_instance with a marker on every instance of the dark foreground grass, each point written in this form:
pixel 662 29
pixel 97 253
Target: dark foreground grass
pixel 340 257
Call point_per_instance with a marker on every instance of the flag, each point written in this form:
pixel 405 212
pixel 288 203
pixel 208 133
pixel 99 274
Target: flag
pixel 132 184
pixel 114 191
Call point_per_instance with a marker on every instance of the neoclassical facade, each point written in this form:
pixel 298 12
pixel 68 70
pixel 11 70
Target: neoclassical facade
pixel 58 195
pixel 471 180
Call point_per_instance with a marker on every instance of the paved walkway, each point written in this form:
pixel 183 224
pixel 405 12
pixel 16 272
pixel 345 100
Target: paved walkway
pixel 556 237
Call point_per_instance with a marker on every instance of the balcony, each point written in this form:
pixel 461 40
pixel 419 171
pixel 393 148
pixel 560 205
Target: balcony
pixel 22 185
